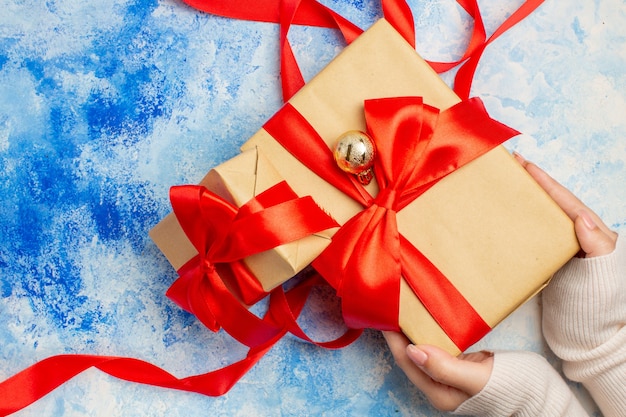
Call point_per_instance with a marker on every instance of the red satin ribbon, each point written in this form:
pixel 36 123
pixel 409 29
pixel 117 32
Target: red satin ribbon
pixel 238 233
pixel 416 147
pixel 397 12
pixel 223 235
pixel 285 13
pixel 35 382
pixel 478 42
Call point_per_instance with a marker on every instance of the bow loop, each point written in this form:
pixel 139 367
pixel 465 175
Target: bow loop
pixel 205 215
pixel 401 128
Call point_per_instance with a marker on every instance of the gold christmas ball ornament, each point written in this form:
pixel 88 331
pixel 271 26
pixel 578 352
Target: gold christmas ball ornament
pixel 354 153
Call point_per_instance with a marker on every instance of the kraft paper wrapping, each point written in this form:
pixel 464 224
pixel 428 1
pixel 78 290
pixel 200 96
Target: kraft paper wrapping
pixel 494 233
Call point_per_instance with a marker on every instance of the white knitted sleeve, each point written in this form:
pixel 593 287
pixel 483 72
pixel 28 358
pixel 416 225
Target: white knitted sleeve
pixel 523 384
pixel 584 322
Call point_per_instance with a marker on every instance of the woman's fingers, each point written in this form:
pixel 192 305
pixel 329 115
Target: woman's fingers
pixel 445 380
pixel 593 239
pixel 467 373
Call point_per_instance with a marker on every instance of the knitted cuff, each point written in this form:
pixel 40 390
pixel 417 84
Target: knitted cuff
pixel 522 384
pixel 585 303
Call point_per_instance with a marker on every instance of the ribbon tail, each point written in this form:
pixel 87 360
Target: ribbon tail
pixel 36 381
pixel 363 264
pixel 454 314
pixel 399 14
pixel 220 381
pixel 177 292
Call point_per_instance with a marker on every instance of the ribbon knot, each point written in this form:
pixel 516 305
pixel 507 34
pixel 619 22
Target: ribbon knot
pixel 386 198
pixel 207 267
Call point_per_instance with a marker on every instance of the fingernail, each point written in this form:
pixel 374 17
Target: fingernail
pixel 519 157
pixel 418 356
pixel 587 220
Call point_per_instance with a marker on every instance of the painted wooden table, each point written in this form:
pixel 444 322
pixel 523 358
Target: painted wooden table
pixel 105 105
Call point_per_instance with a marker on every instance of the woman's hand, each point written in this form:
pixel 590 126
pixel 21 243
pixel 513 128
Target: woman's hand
pixel 447 381
pixel 594 237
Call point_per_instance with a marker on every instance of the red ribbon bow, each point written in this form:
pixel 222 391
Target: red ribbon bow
pixel 224 235
pixel 416 146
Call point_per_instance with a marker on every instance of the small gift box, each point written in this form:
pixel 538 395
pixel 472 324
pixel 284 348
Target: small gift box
pixel 466 252
pixel 239 180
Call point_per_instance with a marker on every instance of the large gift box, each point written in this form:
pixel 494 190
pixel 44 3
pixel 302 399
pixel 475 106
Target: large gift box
pixel 487 231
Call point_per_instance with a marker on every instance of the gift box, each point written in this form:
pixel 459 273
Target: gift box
pixel 238 180
pixel 487 228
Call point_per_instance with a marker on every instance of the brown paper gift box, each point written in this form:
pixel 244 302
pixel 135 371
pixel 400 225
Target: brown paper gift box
pixel 238 180
pixel 492 231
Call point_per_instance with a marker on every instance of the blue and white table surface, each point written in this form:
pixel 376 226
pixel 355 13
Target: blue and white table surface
pixel 105 105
